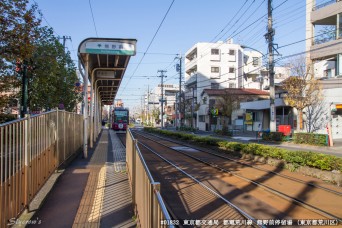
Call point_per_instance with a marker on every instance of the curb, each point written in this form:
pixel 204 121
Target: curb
pixel 26 217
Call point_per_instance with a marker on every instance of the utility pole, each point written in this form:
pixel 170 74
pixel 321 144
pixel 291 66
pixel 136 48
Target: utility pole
pixel 192 107
pixel 24 91
pixel 269 37
pixel 162 93
pixel 65 38
pixel 179 69
pixel 148 103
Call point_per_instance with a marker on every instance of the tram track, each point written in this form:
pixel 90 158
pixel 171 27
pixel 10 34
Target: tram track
pixel 221 165
pixel 226 157
pixel 185 196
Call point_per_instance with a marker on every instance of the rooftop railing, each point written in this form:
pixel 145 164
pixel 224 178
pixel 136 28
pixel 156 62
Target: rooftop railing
pixel 324 4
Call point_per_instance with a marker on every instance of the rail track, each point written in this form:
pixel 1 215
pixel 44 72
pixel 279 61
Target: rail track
pixel 233 180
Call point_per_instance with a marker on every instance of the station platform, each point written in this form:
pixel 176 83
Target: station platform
pixel 91 192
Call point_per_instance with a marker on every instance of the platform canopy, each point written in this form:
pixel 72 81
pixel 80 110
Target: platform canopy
pixel 107 62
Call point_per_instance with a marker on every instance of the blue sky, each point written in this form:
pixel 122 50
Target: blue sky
pixel 188 22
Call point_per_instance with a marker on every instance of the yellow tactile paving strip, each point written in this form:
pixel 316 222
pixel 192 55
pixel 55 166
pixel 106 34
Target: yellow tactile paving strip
pixel 107 193
pixel 96 209
pixel 89 211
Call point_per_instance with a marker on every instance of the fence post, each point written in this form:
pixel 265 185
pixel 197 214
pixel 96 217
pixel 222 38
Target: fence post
pixel 27 152
pixel 57 139
pixel 134 144
pixel 64 137
pixel 154 210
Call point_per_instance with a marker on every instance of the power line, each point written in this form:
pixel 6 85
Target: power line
pixel 155 53
pixel 46 21
pixel 299 41
pixel 230 20
pixel 232 34
pixel 92 15
pixel 245 28
pixel 155 34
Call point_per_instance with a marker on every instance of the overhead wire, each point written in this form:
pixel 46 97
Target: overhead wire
pixel 209 46
pixel 148 47
pixel 92 15
pixel 232 34
pixel 230 20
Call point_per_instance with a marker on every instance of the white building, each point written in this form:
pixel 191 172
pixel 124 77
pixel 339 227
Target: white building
pixel 154 98
pixel 324 51
pixel 222 65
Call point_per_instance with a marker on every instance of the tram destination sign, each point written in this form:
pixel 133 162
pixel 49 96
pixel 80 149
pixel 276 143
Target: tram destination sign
pixel 110 48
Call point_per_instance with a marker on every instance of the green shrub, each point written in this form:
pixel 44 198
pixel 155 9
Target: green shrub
pixel 310 138
pixel 6 118
pixel 185 128
pixel 296 158
pixel 221 132
pixel 273 136
pixel 234 146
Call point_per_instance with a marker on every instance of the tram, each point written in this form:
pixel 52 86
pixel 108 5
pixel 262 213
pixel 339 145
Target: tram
pixel 120 119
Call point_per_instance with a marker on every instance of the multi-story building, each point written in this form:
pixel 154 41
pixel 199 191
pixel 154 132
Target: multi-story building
pixel 154 98
pixel 222 65
pixel 324 52
pixel 323 35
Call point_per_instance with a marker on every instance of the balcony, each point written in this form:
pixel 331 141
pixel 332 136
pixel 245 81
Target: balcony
pixel 191 66
pixel 326 50
pixel 317 7
pixel 326 37
pixel 191 80
pixel 325 14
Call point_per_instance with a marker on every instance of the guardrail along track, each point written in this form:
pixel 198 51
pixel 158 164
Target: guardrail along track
pixel 295 192
pixel 187 197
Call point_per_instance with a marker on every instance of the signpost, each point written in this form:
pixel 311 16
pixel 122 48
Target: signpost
pixel 249 118
pixel 214 111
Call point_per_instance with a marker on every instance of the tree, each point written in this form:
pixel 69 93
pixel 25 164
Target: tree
pixel 303 90
pixel 51 72
pixel 53 76
pixel 226 104
pixel 325 34
pixel 156 114
pixel 18 23
pixel 316 116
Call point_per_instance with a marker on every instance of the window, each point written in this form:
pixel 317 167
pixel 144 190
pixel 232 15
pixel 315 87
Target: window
pixel 211 103
pixel 204 100
pixel 255 116
pixel 215 70
pixel 255 61
pixel 215 51
pixel 327 73
pixel 215 85
pixel 201 118
pixel 231 52
pixel 231 70
pixel 231 85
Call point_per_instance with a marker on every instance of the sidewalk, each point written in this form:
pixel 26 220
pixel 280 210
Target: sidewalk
pixel 249 137
pixel 92 192
pixel 336 150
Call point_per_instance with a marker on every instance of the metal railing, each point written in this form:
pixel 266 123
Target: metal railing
pixel 324 4
pixel 31 149
pixel 147 201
